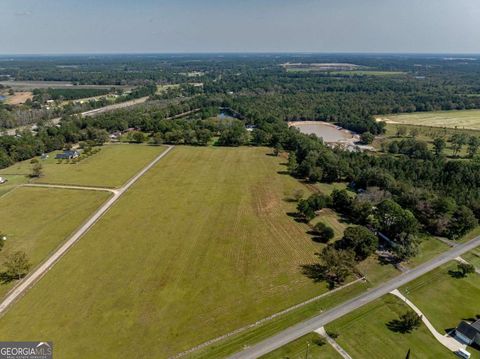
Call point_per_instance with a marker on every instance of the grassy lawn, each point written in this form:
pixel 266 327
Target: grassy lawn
pixel 429 248
pixel 364 333
pixel 12 182
pixel 111 167
pixel 327 188
pixel 468 119
pixel 200 246
pixel 303 347
pixel 37 220
pixel 332 219
pixel 446 300
pixel 473 257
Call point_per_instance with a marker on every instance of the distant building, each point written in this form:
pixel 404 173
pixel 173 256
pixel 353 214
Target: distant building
pixel 469 333
pixel 44 156
pixel 67 155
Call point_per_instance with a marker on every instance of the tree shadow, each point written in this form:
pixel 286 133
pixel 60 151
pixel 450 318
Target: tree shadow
pixel 314 272
pixel 6 278
pixel 283 172
pixel 456 274
pixel 398 326
pixel 297 217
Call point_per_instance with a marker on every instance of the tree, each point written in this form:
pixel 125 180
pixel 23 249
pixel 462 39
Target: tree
pixel 323 232
pixel 473 145
pixel 401 131
pixel 305 211
pixel 17 265
pixel 137 137
pixel 439 145
pixel 336 265
pixel 367 138
pixel 234 135
pixel 341 201
pixel 463 220
pixel 465 268
pixel 410 321
pixel 37 170
pixel 458 141
pixel 292 163
pixel 360 240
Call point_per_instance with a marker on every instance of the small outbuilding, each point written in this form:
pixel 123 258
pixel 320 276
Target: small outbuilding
pixel 67 155
pixel 3 180
pixel 469 333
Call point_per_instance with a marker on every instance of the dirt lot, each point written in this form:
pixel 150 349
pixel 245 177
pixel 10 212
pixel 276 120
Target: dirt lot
pixel 19 98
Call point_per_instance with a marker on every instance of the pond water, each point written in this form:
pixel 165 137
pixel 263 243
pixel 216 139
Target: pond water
pixel 325 130
pixel 2 98
pixel 225 116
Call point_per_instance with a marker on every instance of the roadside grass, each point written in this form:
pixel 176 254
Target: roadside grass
pixel 37 220
pixel 304 347
pixel 473 257
pixel 429 248
pixel 199 247
pixel 364 333
pixel 250 337
pixel 461 119
pixel 376 272
pixel 111 167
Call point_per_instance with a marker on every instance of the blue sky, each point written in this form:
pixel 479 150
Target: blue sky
pixel 111 26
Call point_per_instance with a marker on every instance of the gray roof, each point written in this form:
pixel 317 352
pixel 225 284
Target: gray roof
pixel 469 330
pixel 476 325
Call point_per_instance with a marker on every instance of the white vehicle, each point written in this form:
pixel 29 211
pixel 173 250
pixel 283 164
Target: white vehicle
pixel 463 353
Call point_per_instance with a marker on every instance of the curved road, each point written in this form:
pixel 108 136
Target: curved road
pixel 314 323
pixel 30 280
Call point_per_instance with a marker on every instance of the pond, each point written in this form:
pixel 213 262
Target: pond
pixel 2 98
pixel 329 132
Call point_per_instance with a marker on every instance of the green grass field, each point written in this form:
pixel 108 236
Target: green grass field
pixel 111 167
pixel 200 246
pixel 446 300
pixel 304 347
pixel 468 119
pixel 13 181
pixel 364 333
pixel 37 220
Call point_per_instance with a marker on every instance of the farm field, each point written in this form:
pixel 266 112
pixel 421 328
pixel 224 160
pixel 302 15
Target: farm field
pixel 200 246
pixel 111 167
pixel 467 119
pixel 298 349
pixel 364 333
pixel 37 220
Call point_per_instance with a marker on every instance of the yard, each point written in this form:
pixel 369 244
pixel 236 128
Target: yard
pixel 364 333
pixel 111 167
pixel 468 119
pixel 200 246
pixel 37 220
pixel 446 300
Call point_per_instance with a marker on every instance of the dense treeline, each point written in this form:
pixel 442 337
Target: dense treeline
pixel 67 94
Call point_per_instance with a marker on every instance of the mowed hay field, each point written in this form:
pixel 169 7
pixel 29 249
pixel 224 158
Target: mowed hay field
pixel 468 119
pixel 200 246
pixel 111 167
pixel 37 220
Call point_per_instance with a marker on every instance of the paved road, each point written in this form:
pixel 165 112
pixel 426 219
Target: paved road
pixel 312 324
pixel 30 280
pixel 55 121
